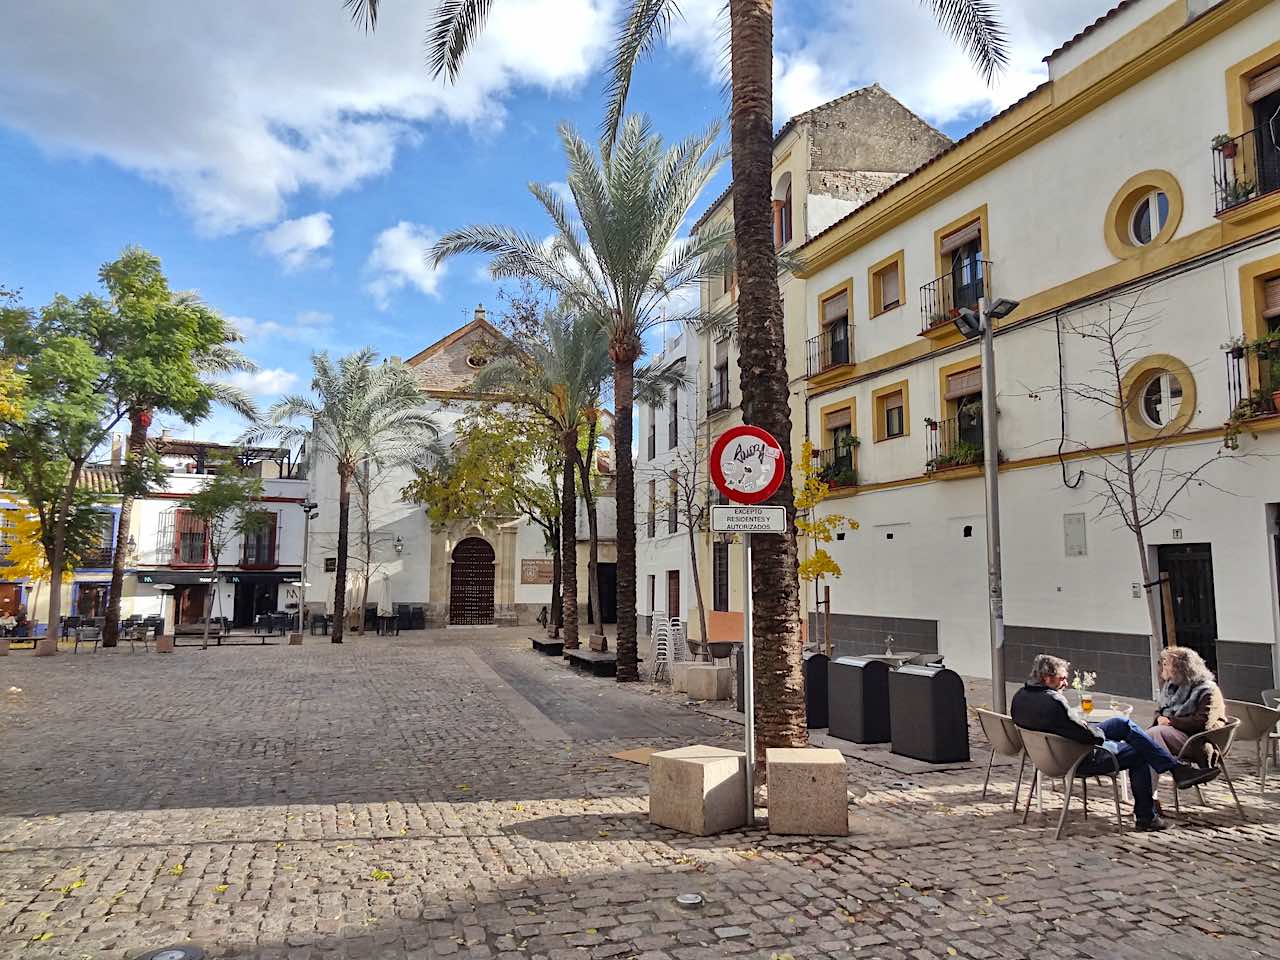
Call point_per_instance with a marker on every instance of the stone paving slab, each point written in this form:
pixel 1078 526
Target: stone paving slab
pixel 392 798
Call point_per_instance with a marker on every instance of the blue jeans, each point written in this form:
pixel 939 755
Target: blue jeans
pixel 1136 752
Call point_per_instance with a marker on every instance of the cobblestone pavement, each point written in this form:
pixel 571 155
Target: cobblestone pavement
pixel 452 795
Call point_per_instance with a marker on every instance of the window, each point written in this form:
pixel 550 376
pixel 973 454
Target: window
pixel 836 463
pixel 782 212
pixel 884 281
pixel 673 418
pixel 653 591
pixel 720 576
pixel 673 594
pixel 190 541
pixel 653 432
pixel 653 508
pixel 260 543
pixel 673 505
pixel 6 533
pixel 1149 217
pixel 727 283
pixel 962 252
pixel 835 329
pixel 1162 400
pixel 963 397
pixel 719 399
pixel 892 411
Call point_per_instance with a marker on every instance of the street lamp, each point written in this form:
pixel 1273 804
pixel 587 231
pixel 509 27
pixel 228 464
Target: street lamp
pixel 310 510
pixel 399 545
pixel 972 325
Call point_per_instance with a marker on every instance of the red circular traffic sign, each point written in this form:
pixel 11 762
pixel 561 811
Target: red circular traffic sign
pixel 747 464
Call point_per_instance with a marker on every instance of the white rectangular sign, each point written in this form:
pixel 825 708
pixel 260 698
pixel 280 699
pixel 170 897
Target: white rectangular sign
pixel 740 518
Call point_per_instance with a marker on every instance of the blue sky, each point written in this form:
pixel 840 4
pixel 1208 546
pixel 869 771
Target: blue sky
pixel 292 169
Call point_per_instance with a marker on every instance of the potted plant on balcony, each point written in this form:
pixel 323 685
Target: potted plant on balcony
pixel 1238 191
pixel 1226 145
pixel 1235 346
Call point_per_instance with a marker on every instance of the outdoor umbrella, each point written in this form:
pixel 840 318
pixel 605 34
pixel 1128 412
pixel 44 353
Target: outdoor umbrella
pixel 384 597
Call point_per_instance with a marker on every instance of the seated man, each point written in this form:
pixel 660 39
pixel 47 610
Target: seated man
pixel 1041 706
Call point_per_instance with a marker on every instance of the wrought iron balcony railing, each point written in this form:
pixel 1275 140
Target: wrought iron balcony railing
pixel 954 443
pixel 942 299
pixel 833 347
pixel 1253 378
pixel 718 396
pixel 97 559
pixel 836 468
pixel 1245 167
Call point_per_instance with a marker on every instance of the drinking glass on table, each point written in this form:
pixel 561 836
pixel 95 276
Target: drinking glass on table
pixel 1086 702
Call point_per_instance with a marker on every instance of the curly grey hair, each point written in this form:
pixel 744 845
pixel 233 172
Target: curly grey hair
pixel 1187 666
pixel 1045 665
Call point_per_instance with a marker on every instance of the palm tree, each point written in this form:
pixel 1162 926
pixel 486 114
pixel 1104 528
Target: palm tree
pixel 362 412
pixel 762 353
pixel 559 376
pixel 617 266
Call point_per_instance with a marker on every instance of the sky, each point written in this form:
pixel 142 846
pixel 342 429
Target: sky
pixel 293 169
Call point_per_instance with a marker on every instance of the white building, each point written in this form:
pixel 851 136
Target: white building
pixel 1145 171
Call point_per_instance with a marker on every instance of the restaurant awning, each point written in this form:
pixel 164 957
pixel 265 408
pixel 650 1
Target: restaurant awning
pixel 262 576
pixel 176 577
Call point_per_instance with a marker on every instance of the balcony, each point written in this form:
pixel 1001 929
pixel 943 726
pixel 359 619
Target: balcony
pixel 260 555
pixel 1253 378
pixel 831 348
pixel 1244 168
pixel 835 467
pixel 99 558
pixel 718 397
pixel 955 445
pixel 942 299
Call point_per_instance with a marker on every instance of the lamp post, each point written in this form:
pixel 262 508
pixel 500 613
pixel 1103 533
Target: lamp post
pixel 310 510
pixel 972 326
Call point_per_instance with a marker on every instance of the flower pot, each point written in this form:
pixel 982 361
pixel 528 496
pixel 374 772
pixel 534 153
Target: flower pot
pixel 164 643
pixel 46 646
pixel 1229 149
pixel 4 646
pixel 1237 353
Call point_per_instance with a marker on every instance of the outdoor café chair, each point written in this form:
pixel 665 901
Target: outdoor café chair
pixel 1257 723
pixel 1272 699
pixel 1053 757
pixel 1005 739
pixel 88 635
pixel 1221 739
pixel 925 660
pixel 136 630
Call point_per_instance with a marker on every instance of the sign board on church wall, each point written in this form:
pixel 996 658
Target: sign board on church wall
pixel 535 571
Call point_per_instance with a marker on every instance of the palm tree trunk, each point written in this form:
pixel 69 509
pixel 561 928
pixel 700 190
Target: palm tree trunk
pixel 57 562
pixel 593 530
pixel 340 575
pixel 569 542
pixel 697 582
pixel 780 715
pixel 367 532
pixel 553 615
pixel 624 389
pixel 138 420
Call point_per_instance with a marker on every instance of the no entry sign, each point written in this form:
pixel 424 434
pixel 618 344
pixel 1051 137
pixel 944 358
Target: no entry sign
pixel 747 464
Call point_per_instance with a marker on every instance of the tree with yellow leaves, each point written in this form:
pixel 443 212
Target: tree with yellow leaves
pixel 29 560
pixel 815 530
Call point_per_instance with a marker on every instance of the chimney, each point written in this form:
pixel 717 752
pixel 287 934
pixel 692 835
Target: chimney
pixel 117 449
pixel 165 434
pixel 480 314
pixel 396 361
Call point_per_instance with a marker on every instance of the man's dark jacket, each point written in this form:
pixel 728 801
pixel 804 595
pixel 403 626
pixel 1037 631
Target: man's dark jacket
pixel 1036 707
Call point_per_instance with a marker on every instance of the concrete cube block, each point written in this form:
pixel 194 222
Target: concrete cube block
pixel 680 676
pixel 699 790
pixel 808 792
pixel 707 682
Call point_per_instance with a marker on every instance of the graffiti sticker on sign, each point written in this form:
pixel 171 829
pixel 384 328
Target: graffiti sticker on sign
pixel 747 464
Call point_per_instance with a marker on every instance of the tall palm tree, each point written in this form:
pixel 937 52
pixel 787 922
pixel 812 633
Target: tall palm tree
pixel 617 265
pixel 361 412
pixel 559 376
pixel 762 354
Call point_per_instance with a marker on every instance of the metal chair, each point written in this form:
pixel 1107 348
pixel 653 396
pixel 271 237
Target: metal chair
pixel 1005 739
pixel 661 654
pixel 1221 739
pixel 1272 699
pixel 87 634
pixel 928 660
pixel 1257 724
pixel 1054 756
pixel 135 631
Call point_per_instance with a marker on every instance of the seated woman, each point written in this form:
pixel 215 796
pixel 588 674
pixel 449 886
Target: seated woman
pixel 1189 703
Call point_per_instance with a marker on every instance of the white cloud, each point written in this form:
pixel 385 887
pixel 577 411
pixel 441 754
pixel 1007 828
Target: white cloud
pixel 306 326
pixel 238 106
pixel 295 242
pixel 399 259
pixel 263 383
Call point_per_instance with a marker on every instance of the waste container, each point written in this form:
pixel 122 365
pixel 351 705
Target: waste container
pixel 858 699
pixel 739 664
pixel 927 715
pixel 815 688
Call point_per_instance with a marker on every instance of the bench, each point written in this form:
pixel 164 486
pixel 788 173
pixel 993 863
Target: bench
pixel 552 648
pixel 600 664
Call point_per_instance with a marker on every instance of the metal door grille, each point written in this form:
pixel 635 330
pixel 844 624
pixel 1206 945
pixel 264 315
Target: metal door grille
pixel 471 583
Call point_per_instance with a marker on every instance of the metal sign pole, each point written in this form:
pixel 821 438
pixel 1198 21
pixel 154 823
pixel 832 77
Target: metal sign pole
pixel 991 475
pixel 748 681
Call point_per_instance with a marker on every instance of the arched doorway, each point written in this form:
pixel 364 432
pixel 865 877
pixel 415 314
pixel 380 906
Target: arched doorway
pixel 471 583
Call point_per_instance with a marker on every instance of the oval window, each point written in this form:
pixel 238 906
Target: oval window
pixel 1149 217
pixel 1162 400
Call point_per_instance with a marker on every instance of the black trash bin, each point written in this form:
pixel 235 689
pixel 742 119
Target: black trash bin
pixel 739 664
pixel 815 688
pixel 858 699
pixel 928 719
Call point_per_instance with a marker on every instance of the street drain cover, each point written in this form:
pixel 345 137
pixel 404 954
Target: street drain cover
pixel 689 900
pixel 174 953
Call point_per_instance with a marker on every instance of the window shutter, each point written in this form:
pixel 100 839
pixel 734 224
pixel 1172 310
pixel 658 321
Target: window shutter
pixel 964 384
pixel 889 292
pixel 1271 298
pixel 1263 85
pixel 962 236
pixel 836 309
pixel 722 352
pixel 893 401
pixel 838 419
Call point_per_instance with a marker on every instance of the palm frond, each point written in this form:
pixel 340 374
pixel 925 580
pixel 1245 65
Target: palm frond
pixel 454 29
pixel 975 26
pixel 363 12
pixel 653 386
pixel 234 398
pixel 645 25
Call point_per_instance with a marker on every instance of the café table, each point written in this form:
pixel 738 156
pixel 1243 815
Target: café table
pixel 892 659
